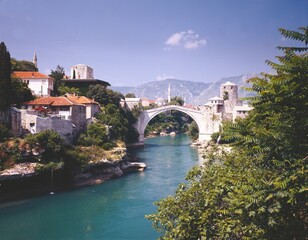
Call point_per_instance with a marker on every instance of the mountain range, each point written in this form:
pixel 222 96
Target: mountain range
pixel 192 92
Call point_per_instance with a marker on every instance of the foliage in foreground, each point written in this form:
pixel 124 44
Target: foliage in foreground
pixel 260 189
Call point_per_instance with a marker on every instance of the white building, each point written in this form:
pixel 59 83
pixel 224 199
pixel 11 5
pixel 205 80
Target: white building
pixel 241 111
pixel 81 71
pixel 228 106
pixel 40 84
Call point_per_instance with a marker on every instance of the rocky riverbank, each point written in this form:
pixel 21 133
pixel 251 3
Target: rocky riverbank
pixel 100 171
pixel 24 179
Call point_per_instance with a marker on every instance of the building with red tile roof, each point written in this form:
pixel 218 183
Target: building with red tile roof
pixel 40 84
pixel 46 112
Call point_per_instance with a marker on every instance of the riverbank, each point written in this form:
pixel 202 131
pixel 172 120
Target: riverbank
pixel 24 180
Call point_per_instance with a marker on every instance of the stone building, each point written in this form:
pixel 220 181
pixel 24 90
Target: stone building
pixel 81 71
pixel 228 106
pixel 62 114
pixel 130 103
pixel 82 78
pixel 92 107
pixel 229 93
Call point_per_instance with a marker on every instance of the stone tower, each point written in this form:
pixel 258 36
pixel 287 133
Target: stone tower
pixel 35 59
pixel 81 71
pixel 229 93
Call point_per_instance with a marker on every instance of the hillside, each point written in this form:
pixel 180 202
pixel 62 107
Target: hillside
pixel 192 92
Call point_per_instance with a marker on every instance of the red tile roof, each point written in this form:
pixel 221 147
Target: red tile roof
pixel 29 75
pixel 81 99
pixel 53 101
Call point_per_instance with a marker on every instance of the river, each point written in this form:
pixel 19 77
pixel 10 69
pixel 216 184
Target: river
pixel 113 210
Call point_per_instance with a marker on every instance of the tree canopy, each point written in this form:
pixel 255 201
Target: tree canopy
pixel 20 92
pixel 5 77
pixel 57 75
pixel 176 101
pixel 130 95
pixel 259 191
pixel 104 96
pixel 23 65
pixel 113 116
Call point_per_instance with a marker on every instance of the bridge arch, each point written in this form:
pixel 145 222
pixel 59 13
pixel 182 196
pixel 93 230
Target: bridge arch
pixel 147 115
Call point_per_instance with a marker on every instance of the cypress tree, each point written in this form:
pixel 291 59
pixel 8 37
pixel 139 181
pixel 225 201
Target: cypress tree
pixel 5 77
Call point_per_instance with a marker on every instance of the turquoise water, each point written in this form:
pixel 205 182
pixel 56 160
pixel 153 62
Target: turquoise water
pixel 113 210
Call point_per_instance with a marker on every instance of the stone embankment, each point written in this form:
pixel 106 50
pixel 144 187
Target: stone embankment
pixel 99 171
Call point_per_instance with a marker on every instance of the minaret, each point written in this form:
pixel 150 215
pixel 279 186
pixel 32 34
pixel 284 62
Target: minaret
pixel 35 59
pixel 169 93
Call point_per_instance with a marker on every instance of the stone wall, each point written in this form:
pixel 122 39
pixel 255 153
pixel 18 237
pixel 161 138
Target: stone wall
pixel 79 118
pixel 61 126
pixel 16 129
pixel 5 117
pixel 35 124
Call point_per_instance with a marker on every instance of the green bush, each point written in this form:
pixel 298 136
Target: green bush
pixel 4 132
pixel 49 143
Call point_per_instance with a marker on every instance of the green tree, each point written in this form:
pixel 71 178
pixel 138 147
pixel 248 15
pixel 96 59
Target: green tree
pixel 130 95
pixel 49 143
pixel 20 92
pixel 193 131
pixel 23 65
pixel 57 74
pixel 65 89
pixel 113 116
pixel 96 134
pixel 176 101
pixel 104 96
pixel 116 120
pixel 5 78
pixel 260 189
pixel 4 132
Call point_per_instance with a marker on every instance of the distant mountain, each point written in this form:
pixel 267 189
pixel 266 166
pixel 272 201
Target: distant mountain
pixel 188 90
pixel 213 89
pixel 192 92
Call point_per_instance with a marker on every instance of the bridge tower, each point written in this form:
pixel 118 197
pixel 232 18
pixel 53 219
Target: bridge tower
pixel 229 93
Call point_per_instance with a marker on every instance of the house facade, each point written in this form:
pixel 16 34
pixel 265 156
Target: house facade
pixel 92 107
pixel 39 84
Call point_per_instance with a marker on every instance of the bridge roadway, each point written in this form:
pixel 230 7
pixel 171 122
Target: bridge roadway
pixel 202 119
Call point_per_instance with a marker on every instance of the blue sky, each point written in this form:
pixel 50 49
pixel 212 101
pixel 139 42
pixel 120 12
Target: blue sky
pixel 130 42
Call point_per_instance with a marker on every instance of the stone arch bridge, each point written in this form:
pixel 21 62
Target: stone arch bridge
pixel 204 121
